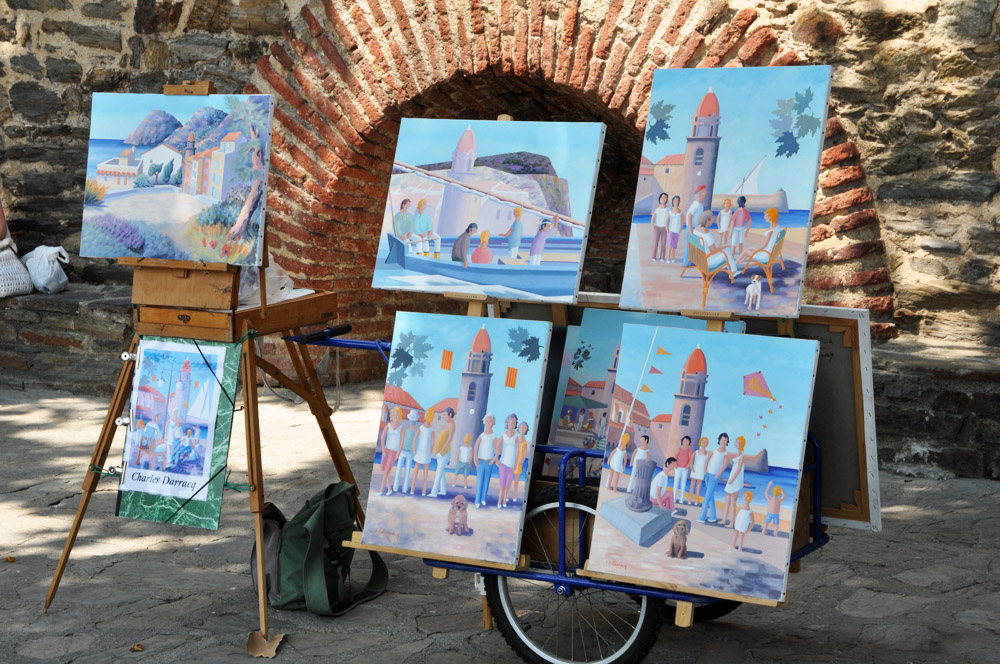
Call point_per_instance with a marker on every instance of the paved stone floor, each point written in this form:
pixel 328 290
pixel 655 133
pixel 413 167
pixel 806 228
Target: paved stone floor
pixel 923 590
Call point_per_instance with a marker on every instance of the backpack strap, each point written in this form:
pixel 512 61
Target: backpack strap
pixel 317 570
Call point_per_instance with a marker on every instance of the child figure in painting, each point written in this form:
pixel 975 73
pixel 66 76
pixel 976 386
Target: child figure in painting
pixel 741 222
pixel 392 442
pixel 485 455
pixel 483 253
pixel 774 498
pixel 725 220
pixel 744 521
pixel 522 453
pixel 508 455
pixel 637 456
pixel 735 482
pixel 422 450
pixel 442 453
pixel 617 463
pixel 659 488
pixel 699 461
pixel 464 467
pixel 405 462
pixel 683 468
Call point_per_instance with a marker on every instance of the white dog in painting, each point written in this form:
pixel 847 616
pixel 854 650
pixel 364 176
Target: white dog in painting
pixel 752 300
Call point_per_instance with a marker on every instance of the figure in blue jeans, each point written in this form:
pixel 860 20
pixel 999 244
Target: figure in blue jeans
pixel 717 461
pixel 405 461
pixel 485 455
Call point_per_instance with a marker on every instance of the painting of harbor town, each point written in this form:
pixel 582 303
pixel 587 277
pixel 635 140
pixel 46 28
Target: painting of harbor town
pixel 177 177
pixel 704 498
pixel 586 394
pixel 493 207
pixel 726 188
pixel 456 436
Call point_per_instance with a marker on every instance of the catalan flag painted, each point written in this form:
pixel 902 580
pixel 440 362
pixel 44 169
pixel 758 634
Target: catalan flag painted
pixel 645 388
pixel 446 357
pixel 511 377
pixel 754 385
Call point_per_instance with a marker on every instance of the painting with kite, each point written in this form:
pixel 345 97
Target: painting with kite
pixel 707 502
pixel 726 188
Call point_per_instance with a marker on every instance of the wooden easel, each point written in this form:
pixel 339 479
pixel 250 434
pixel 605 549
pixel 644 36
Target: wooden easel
pixel 194 300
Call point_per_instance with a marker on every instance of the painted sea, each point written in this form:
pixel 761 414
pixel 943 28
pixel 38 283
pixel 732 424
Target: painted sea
pixel 790 219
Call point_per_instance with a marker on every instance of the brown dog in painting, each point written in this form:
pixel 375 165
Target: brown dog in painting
pixel 458 516
pixel 679 541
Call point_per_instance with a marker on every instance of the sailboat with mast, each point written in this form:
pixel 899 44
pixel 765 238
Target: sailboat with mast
pixel 749 186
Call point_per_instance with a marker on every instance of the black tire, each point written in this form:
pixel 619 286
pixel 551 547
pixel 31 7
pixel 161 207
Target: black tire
pixel 530 613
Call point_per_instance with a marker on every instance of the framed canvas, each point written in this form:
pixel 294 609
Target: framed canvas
pixel 581 415
pixel 500 208
pixel 707 505
pixel 845 425
pixel 177 177
pixel 456 437
pixel 727 183
pixel 177 441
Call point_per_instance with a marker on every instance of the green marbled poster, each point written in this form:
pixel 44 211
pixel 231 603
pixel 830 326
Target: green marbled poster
pixel 177 443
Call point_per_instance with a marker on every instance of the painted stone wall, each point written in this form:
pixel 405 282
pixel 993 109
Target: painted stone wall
pixel 906 220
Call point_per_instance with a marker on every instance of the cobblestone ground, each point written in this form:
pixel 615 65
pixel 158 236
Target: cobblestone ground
pixel 923 590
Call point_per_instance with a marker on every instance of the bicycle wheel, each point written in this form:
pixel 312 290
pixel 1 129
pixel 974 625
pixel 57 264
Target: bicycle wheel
pixel 587 625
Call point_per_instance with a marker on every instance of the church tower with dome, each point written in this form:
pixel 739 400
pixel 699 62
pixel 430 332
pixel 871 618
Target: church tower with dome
pixel 702 153
pixel 689 403
pixel 475 390
pixel 459 207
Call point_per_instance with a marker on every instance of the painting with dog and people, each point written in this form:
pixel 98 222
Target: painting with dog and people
pixel 727 183
pixel 177 177
pixel 456 436
pixel 706 503
pixel 495 207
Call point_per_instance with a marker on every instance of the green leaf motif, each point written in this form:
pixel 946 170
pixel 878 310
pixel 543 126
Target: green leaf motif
pixel 781 124
pixel 787 145
pixel 785 107
pixel 806 124
pixel 803 100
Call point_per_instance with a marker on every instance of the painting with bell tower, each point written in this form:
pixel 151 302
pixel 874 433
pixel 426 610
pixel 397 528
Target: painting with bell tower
pixel 726 190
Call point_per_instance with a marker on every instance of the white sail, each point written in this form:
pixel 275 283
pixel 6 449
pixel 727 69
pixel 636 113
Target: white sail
pixel 748 185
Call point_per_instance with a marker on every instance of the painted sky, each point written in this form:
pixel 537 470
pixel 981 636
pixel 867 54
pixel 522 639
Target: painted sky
pixel 788 366
pixel 746 98
pixel 166 366
pixel 573 147
pixel 115 116
pixel 603 329
pixel 455 333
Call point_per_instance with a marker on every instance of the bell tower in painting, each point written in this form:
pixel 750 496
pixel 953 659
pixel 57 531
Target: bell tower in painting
pixel 689 403
pixel 475 389
pixel 459 207
pixel 702 153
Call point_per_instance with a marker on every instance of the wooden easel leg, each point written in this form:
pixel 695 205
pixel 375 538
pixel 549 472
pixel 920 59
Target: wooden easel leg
pixel 255 475
pixel 122 391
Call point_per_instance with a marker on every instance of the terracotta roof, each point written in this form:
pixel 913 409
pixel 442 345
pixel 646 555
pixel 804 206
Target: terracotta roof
pixel 450 402
pixel 481 344
pixel 573 382
pixel 205 153
pixel 663 417
pixel 671 160
pixel 231 136
pixel 645 160
pixel 468 141
pixel 152 390
pixel 595 383
pixel 696 362
pixel 709 104
pixel 398 395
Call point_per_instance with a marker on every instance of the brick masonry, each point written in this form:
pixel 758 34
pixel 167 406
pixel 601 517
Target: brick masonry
pixel 344 74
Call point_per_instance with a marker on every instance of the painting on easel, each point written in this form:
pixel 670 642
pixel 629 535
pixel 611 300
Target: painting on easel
pixel 586 392
pixel 726 188
pixel 177 177
pixel 501 208
pixel 707 503
pixel 177 441
pixel 456 436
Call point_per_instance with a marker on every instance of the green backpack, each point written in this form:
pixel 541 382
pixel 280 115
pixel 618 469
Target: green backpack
pixel 307 565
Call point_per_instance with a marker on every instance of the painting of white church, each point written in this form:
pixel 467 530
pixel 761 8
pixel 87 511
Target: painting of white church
pixel 501 208
pixel 456 437
pixel 726 190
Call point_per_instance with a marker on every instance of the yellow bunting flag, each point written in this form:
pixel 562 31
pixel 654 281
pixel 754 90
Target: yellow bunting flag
pixel 660 351
pixel 645 388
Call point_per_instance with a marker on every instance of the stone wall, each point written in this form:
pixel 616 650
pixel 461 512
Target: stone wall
pixel 906 218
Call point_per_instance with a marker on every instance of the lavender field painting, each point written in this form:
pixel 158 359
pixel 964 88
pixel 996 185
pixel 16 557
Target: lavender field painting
pixel 177 177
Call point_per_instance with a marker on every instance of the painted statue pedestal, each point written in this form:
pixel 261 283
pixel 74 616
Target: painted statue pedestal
pixel 643 528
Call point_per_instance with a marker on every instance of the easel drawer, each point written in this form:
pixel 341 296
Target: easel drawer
pixel 186 323
pixel 198 289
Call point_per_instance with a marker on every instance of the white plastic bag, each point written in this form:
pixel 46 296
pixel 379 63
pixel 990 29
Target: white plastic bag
pixel 43 266
pixel 279 284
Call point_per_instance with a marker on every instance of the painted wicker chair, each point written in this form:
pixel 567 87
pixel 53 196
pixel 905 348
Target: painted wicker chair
pixel 766 259
pixel 708 264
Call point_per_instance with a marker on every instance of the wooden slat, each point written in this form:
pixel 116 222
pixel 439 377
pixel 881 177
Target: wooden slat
pixel 309 310
pixel 145 263
pixel 185 287
pixel 185 323
pixel 673 586
pixel 199 88
pixel 684 617
pixel 357 544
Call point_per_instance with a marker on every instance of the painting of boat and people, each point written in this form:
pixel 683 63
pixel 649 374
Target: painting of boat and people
pixel 493 207
pixel 726 187
pixel 177 177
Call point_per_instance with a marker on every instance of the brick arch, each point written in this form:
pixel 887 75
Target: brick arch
pixel 345 73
